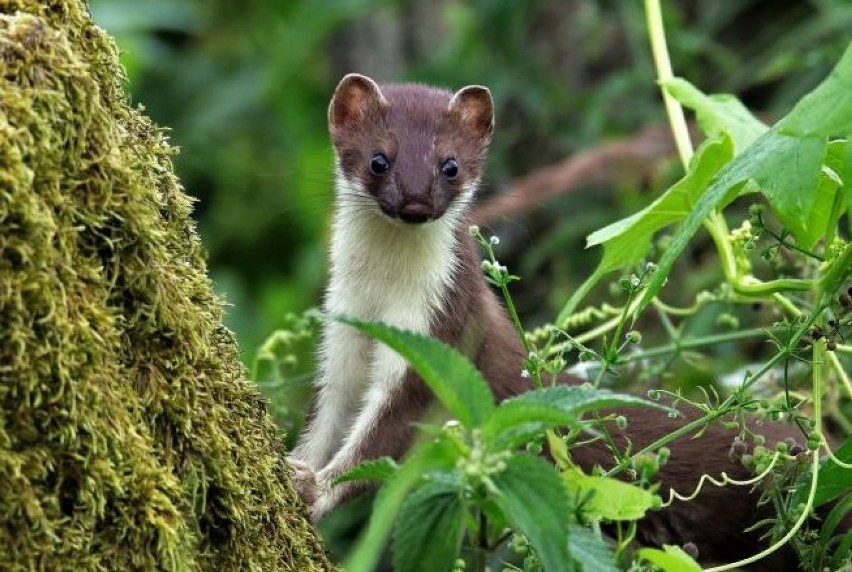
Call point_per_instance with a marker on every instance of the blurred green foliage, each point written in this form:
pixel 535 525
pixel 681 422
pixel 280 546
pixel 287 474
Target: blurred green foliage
pixel 244 87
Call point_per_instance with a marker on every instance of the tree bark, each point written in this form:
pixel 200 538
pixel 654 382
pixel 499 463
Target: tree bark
pixel 130 438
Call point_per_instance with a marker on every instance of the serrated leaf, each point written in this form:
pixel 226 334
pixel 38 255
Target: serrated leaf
pixel 718 113
pixel 592 553
pixel 609 498
pixel 827 110
pixel 452 378
pixel 838 513
pixel 514 423
pixel 534 500
pixel 581 398
pixel 377 470
pixel 669 559
pixel 518 419
pixel 432 457
pixel 428 531
pixel 846 176
pixel 786 169
pixel 834 480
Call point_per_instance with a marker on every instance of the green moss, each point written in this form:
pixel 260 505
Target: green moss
pixel 129 436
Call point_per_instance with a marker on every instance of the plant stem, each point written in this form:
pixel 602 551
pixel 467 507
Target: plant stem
pixel 700 342
pixel 664 73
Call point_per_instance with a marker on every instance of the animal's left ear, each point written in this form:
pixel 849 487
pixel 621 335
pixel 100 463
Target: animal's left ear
pixel 475 109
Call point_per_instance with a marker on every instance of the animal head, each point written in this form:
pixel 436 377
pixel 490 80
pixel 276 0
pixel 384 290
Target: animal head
pixel 411 152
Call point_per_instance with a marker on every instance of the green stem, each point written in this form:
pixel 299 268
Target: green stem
pixel 758 288
pixel 664 73
pixel 700 342
pixel 789 245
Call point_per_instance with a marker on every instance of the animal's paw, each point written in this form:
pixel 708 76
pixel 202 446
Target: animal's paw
pixel 327 496
pixel 304 480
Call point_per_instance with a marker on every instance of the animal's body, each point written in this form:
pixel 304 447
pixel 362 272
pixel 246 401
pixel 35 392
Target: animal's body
pixel 408 162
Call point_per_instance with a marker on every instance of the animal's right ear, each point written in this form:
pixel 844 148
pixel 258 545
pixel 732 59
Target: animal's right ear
pixel 356 97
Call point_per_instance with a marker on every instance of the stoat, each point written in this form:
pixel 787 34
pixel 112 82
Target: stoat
pixel 408 160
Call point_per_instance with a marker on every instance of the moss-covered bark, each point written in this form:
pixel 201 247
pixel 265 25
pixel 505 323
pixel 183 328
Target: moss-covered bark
pixel 129 436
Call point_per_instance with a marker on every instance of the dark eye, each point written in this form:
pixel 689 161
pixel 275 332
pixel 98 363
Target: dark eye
pixel 379 164
pixel 450 168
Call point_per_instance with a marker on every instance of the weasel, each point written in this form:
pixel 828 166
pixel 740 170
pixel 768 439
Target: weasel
pixel 408 161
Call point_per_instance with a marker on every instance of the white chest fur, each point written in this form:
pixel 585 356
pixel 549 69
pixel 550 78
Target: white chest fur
pixel 381 270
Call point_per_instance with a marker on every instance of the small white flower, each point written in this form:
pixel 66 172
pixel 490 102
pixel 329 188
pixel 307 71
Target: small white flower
pixel 494 240
pixel 634 280
pixel 525 373
pixel 473 230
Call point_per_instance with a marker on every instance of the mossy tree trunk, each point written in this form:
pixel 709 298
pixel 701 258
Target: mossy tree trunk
pixel 129 436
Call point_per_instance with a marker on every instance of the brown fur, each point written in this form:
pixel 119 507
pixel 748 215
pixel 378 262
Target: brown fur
pixel 415 128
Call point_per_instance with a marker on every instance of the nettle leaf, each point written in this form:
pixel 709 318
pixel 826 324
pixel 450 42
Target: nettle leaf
pixel 669 559
pixel 378 470
pixel 578 399
pixel 609 498
pixel 834 480
pixel 718 114
pixel 518 419
pixel 535 501
pixel 452 377
pixel 429 529
pixel 846 174
pixel 827 110
pixel 591 552
pixel 515 422
pixel 434 458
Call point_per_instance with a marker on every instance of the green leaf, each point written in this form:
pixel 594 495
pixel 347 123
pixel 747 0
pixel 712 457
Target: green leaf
pixel 531 413
pixel 378 470
pixel 609 498
pixel 428 532
pixel 629 239
pixel 592 553
pixel 786 169
pixel 514 422
pixel 519 418
pixel 534 500
pixel 839 511
pixel 834 480
pixel 578 399
pixel 428 458
pixel 451 377
pixel 846 175
pixel 669 559
pixel 827 110
pixel 718 114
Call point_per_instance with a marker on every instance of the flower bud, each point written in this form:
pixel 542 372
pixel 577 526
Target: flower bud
pixel 634 337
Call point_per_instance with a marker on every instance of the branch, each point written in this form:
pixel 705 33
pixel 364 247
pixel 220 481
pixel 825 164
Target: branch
pixel 604 164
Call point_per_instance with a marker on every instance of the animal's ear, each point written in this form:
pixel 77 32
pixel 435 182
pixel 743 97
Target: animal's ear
pixel 474 108
pixel 356 97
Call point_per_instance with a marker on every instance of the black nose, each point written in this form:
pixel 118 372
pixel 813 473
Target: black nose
pixel 415 213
